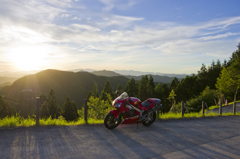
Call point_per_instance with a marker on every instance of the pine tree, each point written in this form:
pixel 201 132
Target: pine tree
pixel 131 88
pixel 165 102
pixel 106 90
pixel 159 91
pixel 142 92
pixel 174 83
pixel 69 110
pixel 94 91
pixel 150 87
pixel 49 106
pixel 120 89
pixel 5 109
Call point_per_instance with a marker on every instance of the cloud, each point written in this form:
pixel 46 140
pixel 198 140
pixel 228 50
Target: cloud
pixel 65 15
pixel 102 36
pixel 86 27
pixel 110 4
pixel 76 18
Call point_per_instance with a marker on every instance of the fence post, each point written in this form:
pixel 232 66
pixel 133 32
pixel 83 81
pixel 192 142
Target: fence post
pixel 182 109
pixel 215 102
pixel 37 110
pixel 234 108
pixel 203 107
pixel 220 108
pixel 85 110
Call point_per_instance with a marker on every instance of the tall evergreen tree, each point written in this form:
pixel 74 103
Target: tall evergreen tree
pixel 142 92
pixel 120 89
pixel 49 106
pixel 95 91
pixel 5 109
pixel 174 83
pixel 159 91
pixel 106 90
pixel 150 87
pixel 165 102
pixel 69 110
pixel 131 88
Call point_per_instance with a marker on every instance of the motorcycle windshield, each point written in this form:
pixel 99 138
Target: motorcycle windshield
pixel 123 96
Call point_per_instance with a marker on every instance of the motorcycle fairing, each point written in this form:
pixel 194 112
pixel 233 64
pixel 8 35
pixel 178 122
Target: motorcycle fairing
pixel 115 112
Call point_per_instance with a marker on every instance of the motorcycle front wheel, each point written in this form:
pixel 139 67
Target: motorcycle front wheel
pixel 150 120
pixel 110 122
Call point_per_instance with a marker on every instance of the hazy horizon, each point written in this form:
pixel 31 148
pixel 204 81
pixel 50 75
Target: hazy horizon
pixel 169 37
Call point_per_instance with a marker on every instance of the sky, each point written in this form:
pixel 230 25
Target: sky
pixel 166 36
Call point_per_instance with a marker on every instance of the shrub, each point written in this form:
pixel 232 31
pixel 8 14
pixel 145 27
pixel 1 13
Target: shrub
pixel 69 110
pixel 98 109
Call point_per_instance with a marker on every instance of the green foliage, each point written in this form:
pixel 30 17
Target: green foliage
pixel 150 87
pixel 97 108
pixel 193 115
pixel 186 89
pixel 171 98
pixel 49 106
pixel 165 102
pixel 142 92
pixel 159 91
pixel 95 91
pixel 5 109
pixel 69 110
pixel 120 89
pixel 174 83
pixel 208 76
pixel 195 104
pixel 106 90
pixel 132 88
pixel 229 80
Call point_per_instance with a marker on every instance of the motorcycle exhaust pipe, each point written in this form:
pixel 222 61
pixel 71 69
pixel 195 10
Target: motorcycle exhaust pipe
pixel 154 109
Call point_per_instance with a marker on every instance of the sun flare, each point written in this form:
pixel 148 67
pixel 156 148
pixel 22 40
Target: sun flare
pixel 29 58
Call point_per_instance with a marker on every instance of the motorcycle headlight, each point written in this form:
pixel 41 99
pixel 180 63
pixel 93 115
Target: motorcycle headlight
pixel 118 105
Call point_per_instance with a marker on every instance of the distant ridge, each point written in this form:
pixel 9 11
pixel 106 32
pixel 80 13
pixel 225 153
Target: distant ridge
pixel 139 73
pixel 156 78
pixel 105 73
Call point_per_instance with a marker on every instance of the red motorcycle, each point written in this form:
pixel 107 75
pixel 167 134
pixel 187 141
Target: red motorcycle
pixel 130 110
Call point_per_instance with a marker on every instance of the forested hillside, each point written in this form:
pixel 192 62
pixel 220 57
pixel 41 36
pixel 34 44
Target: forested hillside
pixel 23 91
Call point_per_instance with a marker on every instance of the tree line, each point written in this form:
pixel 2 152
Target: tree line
pixel 215 81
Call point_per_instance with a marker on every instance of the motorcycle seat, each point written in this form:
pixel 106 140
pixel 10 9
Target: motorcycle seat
pixel 149 102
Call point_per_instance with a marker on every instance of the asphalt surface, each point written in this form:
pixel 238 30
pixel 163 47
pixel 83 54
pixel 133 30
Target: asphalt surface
pixel 227 109
pixel 210 137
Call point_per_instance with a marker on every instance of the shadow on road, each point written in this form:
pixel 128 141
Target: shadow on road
pixel 217 137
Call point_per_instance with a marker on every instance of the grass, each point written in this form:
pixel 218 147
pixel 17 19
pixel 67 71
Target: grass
pixel 16 121
pixel 193 115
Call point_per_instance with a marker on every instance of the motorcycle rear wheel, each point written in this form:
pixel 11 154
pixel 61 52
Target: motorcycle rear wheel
pixel 110 122
pixel 151 120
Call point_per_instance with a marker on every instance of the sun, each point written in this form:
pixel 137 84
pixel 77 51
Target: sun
pixel 29 57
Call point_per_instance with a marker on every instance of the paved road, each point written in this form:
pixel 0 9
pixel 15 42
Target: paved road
pixel 226 109
pixel 212 137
